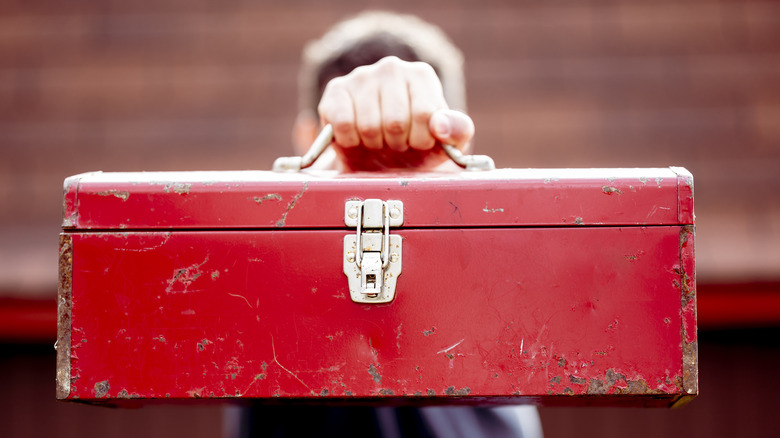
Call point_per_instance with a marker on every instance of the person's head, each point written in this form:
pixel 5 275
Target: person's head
pixel 363 40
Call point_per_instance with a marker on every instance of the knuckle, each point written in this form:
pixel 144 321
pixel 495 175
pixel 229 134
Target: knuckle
pixel 341 125
pixel 369 131
pixel 395 127
pixel 423 142
pixel 423 68
pixel 422 115
pixel 389 63
pixel 333 85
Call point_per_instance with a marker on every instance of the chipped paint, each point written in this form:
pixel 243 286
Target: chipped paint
pixel 101 389
pixel 282 221
pixel 492 210
pixel 64 310
pixel 451 391
pixel 177 187
pixel 185 276
pixel 124 394
pixel 374 373
pixel 610 190
pixel 121 194
pixel 270 196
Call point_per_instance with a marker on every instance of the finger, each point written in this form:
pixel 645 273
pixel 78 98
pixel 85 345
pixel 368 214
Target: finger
pixel 452 127
pixel 336 107
pixel 364 91
pixel 395 114
pixel 425 97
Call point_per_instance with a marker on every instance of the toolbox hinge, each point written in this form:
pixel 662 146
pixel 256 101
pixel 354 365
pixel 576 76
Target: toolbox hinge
pixel 372 256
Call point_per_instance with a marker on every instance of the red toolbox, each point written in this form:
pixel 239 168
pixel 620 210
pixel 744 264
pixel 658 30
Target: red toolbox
pixel 556 287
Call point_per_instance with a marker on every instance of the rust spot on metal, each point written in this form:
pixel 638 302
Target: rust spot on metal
pixel 185 276
pixel 374 373
pixel 261 376
pixel 64 303
pixel 431 392
pixel 281 222
pixel 577 380
pixel 597 386
pixel 688 294
pixel 555 380
pixel 429 332
pixel 613 383
pixel 274 196
pixel 638 387
pixel 610 190
pixel 462 391
pixel 690 378
pixel 123 195
pixel 203 344
pixel 324 393
pixel 124 394
pixel 690 348
pixel 561 362
pixel 612 377
pixel 101 389
pixel 386 392
pixel 578 221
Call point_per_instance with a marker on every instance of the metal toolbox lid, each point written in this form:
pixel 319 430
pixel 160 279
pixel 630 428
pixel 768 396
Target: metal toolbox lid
pixel 268 200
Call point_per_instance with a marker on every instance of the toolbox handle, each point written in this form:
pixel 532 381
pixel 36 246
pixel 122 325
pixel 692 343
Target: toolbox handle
pixel 325 137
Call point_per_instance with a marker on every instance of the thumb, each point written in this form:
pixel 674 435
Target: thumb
pixel 452 127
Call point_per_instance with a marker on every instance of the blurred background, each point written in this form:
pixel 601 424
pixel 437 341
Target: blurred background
pixel 197 85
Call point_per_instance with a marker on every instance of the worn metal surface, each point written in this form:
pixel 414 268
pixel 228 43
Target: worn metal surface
pixel 553 314
pixel 196 200
pixel 64 300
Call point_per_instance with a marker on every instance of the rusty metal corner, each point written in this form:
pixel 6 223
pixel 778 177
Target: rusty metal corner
pixel 690 345
pixel 64 302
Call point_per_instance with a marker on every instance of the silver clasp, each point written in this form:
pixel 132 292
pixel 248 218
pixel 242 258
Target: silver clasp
pixel 372 256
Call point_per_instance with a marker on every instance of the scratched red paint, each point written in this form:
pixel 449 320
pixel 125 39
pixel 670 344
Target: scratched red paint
pixel 504 297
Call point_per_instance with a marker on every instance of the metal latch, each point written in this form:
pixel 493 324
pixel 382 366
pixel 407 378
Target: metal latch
pixel 372 256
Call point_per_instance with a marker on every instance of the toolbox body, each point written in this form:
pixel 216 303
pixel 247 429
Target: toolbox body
pixel 555 287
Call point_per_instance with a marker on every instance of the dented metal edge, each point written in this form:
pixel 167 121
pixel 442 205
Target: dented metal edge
pixel 685 205
pixel 64 306
pixel 70 199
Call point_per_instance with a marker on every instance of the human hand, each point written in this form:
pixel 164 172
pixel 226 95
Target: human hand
pixel 390 115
